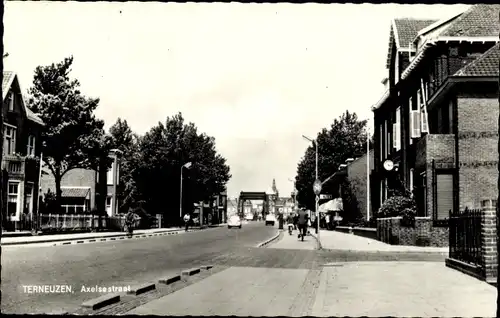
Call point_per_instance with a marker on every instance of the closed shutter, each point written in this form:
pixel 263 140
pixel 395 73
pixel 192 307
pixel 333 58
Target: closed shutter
pixel 444 193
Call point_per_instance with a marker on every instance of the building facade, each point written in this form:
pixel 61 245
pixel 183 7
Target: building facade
pixel 79 188
pixel 20 158
pixel 437 121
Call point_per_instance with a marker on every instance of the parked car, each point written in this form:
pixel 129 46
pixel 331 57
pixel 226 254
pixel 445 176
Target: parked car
pixel 270 219
pixel 234 221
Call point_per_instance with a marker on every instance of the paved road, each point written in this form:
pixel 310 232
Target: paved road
pixel 129 262
pixel 119 263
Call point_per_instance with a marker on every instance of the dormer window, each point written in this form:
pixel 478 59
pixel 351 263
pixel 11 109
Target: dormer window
pixel 11 102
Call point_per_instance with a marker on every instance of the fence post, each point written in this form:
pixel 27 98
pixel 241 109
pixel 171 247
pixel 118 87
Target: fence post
pixel 489 243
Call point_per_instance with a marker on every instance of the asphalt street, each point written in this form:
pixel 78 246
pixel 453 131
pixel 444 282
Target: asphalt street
pixel 130 262
pixel 116 263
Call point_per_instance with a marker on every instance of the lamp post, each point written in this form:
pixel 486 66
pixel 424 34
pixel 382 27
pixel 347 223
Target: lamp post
pixel 187 166
pixel 368 193
pixel 294 194
pixel 317 185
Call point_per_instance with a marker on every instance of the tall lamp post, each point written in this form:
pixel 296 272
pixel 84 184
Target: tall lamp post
pixel 317 185
pixel 187 166
pixel 294 193
pixel 368 193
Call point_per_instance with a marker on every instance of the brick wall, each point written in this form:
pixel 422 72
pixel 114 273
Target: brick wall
pixel 390 230
pixel 356 176
pixel 478 153
pixel 73 178
pixel 489 244
pixel 441 149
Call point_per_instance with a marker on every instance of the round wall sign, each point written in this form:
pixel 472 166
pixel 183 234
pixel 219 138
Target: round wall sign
pixel 388 165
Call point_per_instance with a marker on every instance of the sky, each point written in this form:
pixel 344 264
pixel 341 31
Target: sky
pixel 254 76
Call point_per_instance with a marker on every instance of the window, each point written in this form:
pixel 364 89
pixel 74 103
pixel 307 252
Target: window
pixel 109 177
pixel 9 141
pixel 13 200
pixel 411 181
pixel 381 142
pixel 31 146
pixel 11 102
pixel 396 130
pixel 28 202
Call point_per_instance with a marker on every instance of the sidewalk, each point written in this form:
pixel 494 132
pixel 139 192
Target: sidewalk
pixel 80 236
pixel 236 291
pixel 333 240
pixel 292 242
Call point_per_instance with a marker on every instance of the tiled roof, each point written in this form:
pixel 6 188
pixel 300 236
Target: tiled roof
pixel 485 65
pixel 74 192
pixel 478 21
pixel 404 31
pixel 407 29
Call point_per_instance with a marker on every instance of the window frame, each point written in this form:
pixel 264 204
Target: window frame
pixel 17 195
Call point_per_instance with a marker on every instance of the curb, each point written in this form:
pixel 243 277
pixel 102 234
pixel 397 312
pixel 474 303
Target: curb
pixel 111 299
pixel 392 252
pixel 318 242
pixel 266 242
pixel 91 239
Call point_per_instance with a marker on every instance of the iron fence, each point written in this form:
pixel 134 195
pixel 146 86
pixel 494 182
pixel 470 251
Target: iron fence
pixel 465 236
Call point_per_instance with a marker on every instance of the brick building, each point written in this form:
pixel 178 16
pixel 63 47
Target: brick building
pixel 437 121
pixel 20 158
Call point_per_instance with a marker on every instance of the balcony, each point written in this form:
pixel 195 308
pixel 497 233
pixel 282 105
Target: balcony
pixel 15 165
pixel 437 147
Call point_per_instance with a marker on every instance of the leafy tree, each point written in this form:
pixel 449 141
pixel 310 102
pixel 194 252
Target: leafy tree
pixel 125 140
pixel 72 137
pixel 162 152
pixel 345 139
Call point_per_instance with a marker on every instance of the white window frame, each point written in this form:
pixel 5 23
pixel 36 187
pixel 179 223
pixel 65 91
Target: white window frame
pixel 11 101
pixel 12 139
pixel 397 130
pixel 17 195
pixel 396 68
pixel 30 148
pixel 110 175
pixel 412 171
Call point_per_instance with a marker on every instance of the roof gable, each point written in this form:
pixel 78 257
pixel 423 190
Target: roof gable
pixel 403 32
pixel 7 81
pixel 478 21
pixel 407 30
pixel 485 65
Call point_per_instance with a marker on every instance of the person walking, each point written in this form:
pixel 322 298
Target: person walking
pixel 302 220
pixel 187 218
pixel 129 222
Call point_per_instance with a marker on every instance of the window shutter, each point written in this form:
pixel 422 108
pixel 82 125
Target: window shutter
pixel 394 136
pixel 424 124
pixel 444 191
pixel 415 123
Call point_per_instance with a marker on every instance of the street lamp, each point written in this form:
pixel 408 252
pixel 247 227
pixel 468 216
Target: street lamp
pixel 294 194
pixel 187 166
pixel 316 185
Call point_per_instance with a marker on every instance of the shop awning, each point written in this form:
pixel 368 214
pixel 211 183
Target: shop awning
pixel 332 205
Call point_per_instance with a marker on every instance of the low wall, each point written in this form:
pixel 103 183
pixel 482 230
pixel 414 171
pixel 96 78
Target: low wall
pixel 359 231
pixel 424 233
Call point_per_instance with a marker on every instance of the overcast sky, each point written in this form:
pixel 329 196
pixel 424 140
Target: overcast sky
pixel 254 76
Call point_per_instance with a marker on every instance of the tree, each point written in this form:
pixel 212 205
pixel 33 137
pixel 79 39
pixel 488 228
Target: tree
pixel 345 139
pixel 72 137
pixel 162 152
pixel 125 140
